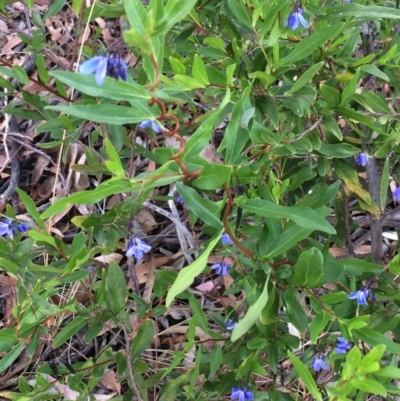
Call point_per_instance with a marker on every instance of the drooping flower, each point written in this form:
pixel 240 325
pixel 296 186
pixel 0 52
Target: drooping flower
pixel 153 124
pixel 342 345
pixel 318 363
pixel 22 227
pixel 221 268
pixel 230 324
pixel 362 159
pixel 396 194
pixel 180 200
pixel 226 240
pixel 241 394
pixel 361 296
pixel 296 17
pixel 116 67
pixel 97 65
pixel 137 247
pixel 7 228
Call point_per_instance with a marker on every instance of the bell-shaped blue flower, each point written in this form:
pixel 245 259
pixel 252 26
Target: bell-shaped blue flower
pixel 241 394
pixel 361 296
pixel 153 124
pixel 116 67
pixel 362 159
pixel 230 324
pixel 7 228
pixel 342 345
pixel 296 17
pixel 318 363
pixel 221 268
pixel 180 200
pixel 226 240
pixel 137 247
pixel 396 194
pixel 96 65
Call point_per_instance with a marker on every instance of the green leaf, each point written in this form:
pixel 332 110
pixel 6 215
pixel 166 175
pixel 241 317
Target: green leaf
pixel 136 13
pixel 114 165
pixel 106 113
pixel 331 96
pixel 175 11
pixel 351 364
pixel 301 215
pixel 11 356
pixel 389 371
pixel 305 376
pixel 204 209
pixel 317 324
pixel 69 331
pixel 374 338
pixel 116 287
pixel 306 46
pixel 384 184
pixel 270 310
pixel 350 89
pixel 236 136
pixel 187 275
pixel 308 271
pixel 369 386
pixel 294 309
pixel 287 240
pixel 304 79
pixel 112 89
pixel 252 314
pixel 213 176
pixel 199 70
pixel 369 12
pixel 143 338
pixel 355 116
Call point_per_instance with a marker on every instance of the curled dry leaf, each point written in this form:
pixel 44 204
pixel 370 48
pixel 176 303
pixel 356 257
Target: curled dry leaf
pixel 146 220
pixel 109 380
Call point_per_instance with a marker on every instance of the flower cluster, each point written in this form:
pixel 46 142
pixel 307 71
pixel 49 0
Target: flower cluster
pixel 361 296
pixel 221 268
pixel 102 66
pixel 296 17
pixel 241 394
pixel 342 345
pixel 8 228
pixel 137 247
pixel 362 159
pixel 318 363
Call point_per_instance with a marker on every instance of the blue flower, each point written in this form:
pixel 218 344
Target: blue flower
pixel 226 240
pixel 241 394
pixel 396 194
pixel 230 324
pixel 116 67
pixel 221 268
pixel 22 227
pixel 7 228
pixel 180 200
pixel 153 124
pixel 318 363
pixel 362 159
pixel 97 65
pixel 137 247
pixel 361 296
pixel 342 345
pixel 295 18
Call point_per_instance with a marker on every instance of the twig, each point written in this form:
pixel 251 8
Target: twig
pixel 131 375
pixel 14 177
pixel 303 134
pixel 346 221
pixel 175 220
pixel 375 223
